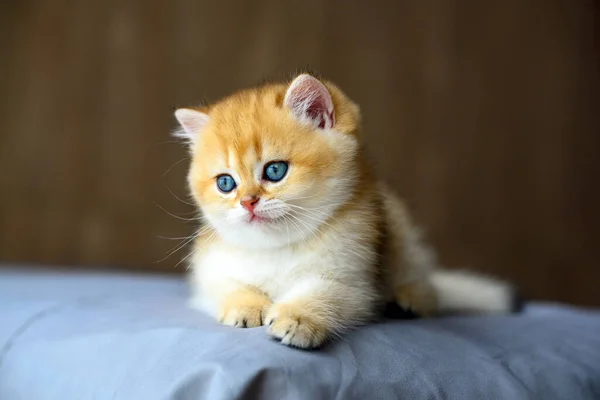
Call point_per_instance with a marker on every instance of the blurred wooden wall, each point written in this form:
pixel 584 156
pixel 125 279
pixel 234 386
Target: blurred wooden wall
pixel 482 114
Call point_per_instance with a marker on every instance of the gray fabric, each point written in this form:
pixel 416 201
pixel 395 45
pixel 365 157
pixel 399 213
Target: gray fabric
pixel 67 336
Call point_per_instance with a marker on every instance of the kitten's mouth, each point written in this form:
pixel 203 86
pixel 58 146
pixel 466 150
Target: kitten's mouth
pixel 258 219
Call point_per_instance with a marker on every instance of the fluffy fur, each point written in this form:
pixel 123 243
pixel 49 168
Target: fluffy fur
pixel 327 246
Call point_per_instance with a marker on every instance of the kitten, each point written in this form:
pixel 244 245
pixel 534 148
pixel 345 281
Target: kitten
pixel 299 235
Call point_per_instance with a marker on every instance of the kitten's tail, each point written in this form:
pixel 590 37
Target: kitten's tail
pixel 465 292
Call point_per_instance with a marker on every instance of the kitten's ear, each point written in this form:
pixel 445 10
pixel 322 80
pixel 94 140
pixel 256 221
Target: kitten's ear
pixel 310 102
pixel 191 121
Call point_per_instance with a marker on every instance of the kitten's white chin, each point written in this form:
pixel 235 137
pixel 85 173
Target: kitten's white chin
pixel 264 233
pixel 254 219
pixel 258 235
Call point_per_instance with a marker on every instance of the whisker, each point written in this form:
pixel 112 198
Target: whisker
pixel 174 195
pixel 297 229
pixel 185 258
pixel 176 216
pixel 178 247
pixel 315 232
pixel 316 218
pixel 173 166
pixel 173 238
pixel 212 235
pixel 288 233
pixel 315 208
pixel 186 241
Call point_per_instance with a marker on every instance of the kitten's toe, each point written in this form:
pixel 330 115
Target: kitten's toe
pixel 294 328
pixel 244 310
pixel 244 317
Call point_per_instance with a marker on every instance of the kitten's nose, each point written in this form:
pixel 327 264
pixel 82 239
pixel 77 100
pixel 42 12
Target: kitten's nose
pixel 249 202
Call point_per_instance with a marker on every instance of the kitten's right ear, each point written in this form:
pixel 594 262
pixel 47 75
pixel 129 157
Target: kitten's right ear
pixel 310 102
pixel 192 122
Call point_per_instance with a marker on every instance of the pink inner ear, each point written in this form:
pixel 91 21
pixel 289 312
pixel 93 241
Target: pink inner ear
pixel 318 111
pixel 309 99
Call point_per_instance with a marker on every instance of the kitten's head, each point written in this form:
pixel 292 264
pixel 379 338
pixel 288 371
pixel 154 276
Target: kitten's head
pixel 271 165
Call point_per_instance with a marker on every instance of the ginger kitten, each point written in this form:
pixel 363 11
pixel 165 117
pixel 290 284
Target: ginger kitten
pixel 299 235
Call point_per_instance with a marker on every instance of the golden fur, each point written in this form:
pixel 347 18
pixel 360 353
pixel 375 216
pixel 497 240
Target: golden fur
pixel 343 244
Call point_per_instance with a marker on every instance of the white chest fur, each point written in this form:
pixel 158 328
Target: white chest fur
pixel 342 259
pixel 273 271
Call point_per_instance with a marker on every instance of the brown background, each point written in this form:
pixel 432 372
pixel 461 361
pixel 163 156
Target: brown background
pixel 480 113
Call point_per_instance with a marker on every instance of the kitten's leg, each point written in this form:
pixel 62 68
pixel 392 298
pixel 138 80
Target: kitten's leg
pixel 416 282
pixel 419 297
pixel 316 309
pixel 231 303
pixel 409 262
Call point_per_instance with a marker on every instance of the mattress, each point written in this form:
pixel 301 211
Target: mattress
pixel 108 336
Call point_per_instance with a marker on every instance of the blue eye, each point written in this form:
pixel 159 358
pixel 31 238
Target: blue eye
pixel 225 183
pixel 275 171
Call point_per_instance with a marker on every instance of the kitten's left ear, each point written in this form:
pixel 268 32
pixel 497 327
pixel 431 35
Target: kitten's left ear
pixel 310 102
pixel 192 122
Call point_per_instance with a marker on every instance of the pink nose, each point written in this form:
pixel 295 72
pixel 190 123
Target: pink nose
pixel 249 202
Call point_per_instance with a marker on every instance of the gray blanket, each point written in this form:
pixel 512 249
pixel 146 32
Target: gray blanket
pixel 76 336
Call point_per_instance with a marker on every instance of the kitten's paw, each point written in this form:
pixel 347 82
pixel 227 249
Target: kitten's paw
pixel 295 327
pixel 417 297
pixel 244 309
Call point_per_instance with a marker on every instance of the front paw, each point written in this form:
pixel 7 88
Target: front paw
pixel 296 327
pixel 244 309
